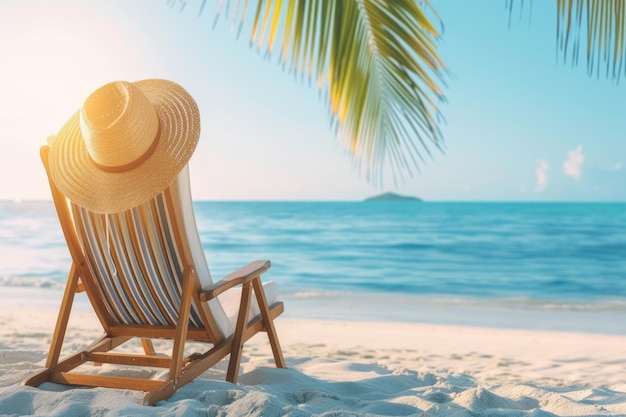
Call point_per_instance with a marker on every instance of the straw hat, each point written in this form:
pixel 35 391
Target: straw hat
pixel 125 145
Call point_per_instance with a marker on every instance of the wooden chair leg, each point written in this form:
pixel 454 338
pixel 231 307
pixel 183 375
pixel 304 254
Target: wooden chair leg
pixel 268 323
pixel 238 337
pixel 148 347
pixel 63 318
pixel 182 326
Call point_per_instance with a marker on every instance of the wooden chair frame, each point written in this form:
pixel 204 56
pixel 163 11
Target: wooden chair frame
pixel 181 369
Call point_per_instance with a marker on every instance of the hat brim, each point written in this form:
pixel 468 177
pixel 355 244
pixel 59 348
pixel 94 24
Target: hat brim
pixel 77 176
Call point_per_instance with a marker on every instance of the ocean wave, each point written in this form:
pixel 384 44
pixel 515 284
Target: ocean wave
pixel 30 283
pixel 443 301
pixel 595 304
pixel 518 303
pixel 319 294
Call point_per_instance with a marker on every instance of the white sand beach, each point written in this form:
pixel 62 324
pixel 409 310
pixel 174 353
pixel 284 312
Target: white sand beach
pixel 340 368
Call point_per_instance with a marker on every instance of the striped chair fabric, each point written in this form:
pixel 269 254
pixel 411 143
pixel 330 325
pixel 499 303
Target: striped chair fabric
pixel 135 262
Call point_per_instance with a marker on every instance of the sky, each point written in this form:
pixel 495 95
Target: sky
pixel 520 125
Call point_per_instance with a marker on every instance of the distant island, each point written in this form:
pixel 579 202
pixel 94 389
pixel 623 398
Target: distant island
pixel 392 197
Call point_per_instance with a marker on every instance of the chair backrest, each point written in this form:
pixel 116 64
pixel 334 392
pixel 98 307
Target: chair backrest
pixel 137 258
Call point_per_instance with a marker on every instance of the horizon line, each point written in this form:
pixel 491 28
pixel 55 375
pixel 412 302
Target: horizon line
pixel 364 200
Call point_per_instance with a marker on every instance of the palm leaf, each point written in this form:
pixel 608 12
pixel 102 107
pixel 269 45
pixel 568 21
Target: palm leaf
pixel 604 24
pixel 377 63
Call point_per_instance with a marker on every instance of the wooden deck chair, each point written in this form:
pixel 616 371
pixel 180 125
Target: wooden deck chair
pixel 146 277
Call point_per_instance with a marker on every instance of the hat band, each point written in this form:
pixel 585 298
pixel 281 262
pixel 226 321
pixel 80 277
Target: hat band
pixel 136 162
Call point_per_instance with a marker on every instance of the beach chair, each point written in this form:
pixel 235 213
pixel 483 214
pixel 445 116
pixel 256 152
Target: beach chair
pixel 146 277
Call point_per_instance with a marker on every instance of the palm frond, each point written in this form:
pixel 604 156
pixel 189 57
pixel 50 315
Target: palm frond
pixel 604 22
pixel 597 26
pixel 377 63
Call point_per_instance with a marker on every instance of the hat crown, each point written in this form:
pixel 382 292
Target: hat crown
pixel 125 145
pixel 119 126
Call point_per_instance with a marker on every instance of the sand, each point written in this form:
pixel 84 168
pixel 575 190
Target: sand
pixel 341 368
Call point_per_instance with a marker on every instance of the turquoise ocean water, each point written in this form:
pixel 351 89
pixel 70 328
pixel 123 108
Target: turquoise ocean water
pixel 532 265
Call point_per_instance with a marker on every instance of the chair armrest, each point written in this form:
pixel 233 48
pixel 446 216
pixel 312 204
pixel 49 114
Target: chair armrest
pixel 240 276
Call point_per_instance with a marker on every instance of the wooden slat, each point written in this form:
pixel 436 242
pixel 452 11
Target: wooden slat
pixel 128 359
pixel 105 381
pixel 248 272
pixel 157 332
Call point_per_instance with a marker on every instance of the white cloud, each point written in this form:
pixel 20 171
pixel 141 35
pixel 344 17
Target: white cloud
pixel 541 171
pixel 617 166
pixel 573 164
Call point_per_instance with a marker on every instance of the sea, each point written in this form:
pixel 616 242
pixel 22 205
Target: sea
pixel 545 266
